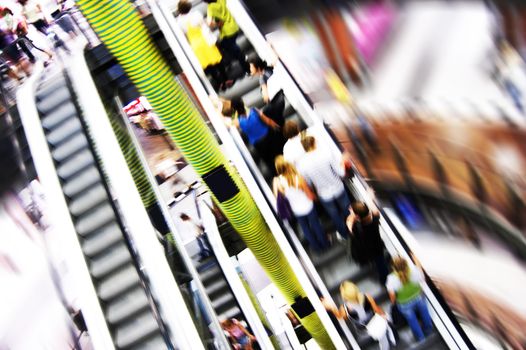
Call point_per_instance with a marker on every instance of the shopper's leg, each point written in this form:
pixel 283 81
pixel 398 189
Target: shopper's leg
pixel 304 224
pixel 382 268
pixel 23 46
pixel 332 209
pixel 408 310
pixel 315 226
pixel 229 45
pixel 424 315
pixel 202 249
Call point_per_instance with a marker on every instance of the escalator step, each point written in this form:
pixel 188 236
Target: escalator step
pixel 75 165
pixel 49 87
pixel 138 329
pixel 88 200
pixel 243 43
pixel 234 312
pixel 55 100
pixel 241 87
pixel 216 288
pixel 154 342
pixel 118 283
pixel 64 131
pixel 96 242
pixel 59 115
pixel 253 99
pixel 70 147
pixel 94 220
pixel 112 259
pixel 81 182
pixel 223 303
pixel 211 274
pixel 127 306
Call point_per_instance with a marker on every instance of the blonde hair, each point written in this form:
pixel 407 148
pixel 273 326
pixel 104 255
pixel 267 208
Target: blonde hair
pixel 287 170
pixel 351 293
pixel 401 269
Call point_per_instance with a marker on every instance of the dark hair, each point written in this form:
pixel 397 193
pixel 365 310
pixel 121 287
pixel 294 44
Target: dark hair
pixel 258 63
pixel 184 217
pixel 308 143
pixel 360 209
pixel 238 106
pixel 6 10
pixel 183 7
pixel 290 129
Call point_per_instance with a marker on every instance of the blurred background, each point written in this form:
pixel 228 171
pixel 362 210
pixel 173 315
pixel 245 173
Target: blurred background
pixel 426 97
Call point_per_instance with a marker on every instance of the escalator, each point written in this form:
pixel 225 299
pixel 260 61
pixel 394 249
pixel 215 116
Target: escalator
pixel 333 266
pixel 121 286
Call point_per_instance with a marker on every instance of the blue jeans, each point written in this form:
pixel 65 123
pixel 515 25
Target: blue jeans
pixel 409 311
pixel 204 248
pixel 338 210
pixel 312 230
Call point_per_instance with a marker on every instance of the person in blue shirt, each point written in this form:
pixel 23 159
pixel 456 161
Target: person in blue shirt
pixel 261 131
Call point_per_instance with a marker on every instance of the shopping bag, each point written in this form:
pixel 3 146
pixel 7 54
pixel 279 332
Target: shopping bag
pixel 377 327
pixel 283 207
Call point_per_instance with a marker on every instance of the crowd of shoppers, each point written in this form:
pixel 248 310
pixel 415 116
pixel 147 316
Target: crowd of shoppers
pixel 16 43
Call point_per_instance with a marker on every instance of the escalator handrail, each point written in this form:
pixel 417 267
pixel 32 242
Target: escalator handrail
pixel 403 248
pixel 128 240
pixel 230 273
pixel 100 335
pixel 307 264
pixel 168 26
pixel 170 307
pixel 173 229
pixel 252 32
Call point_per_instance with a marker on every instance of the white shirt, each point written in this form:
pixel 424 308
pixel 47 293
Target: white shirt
pixel 300 203
pixel 323 170
pixel 293 150
pixel 394 284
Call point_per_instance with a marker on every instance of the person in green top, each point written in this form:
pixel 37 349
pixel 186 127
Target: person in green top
pixel 219 17
pixel 404 285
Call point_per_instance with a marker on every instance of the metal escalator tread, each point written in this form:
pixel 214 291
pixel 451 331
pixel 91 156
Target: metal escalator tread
pixel 224 303
pixel 216 288
pixel 128 305
pixel 117 283
pixel 55 101
pixel 77 163
pixel 94 220
pixel 125 304
pixel 241 87
pixel 69 148
pixel 64 131
pixel 233 312
pixel 152 343
pixel 253 99
pixel 210 274
pixel 55 117
pixel 98 241
pixel 81 182
pixel 111 260
pixel 89 199
pixel 137 329
pixel 49 87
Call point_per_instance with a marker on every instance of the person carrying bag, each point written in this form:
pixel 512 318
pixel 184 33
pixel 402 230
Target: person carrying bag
pixel 364 314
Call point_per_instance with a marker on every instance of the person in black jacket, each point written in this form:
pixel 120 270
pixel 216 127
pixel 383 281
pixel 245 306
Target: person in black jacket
pixel 366 244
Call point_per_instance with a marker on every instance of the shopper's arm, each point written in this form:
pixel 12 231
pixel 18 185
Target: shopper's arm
pixel 267 120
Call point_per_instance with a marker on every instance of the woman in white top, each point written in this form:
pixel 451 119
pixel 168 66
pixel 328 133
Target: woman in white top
pixel 295 189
